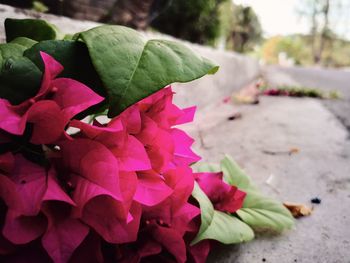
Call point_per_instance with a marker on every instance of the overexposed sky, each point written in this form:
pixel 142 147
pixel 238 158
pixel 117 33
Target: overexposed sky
pixel 279 17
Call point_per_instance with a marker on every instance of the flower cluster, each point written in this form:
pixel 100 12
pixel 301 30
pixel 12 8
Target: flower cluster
pixel 113 192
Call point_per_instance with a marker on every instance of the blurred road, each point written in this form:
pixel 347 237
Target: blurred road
pixel 324 79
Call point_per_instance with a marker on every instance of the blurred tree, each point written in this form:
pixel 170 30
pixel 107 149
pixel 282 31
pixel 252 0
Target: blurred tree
pixel 245 31
pixel 132 13
pixel 293 46
pixel 322 16
pixel 195 20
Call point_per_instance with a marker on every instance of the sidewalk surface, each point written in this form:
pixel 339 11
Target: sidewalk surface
pixel 320 169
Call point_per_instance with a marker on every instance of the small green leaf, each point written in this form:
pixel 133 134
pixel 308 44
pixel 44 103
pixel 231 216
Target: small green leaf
pixel 265 214
pixel 35 29
pixel 207 209
pixel 226 229
pixel 132 68
pixel 234 175
pixel 24 41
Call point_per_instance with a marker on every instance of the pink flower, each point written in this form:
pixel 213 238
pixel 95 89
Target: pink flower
pixel 124 186
pixel 225 198
pixel 57 101
pixel 37 206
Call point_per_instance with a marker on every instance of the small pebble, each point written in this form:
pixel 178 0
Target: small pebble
pixel 264 259
pixel 316 200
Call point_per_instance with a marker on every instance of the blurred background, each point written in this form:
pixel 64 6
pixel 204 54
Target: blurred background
pixel 288 32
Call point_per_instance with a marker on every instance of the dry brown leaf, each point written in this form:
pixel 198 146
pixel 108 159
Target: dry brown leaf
pixel 293 150
pixel 298 210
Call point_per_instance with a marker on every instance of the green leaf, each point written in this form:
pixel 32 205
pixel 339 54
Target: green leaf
pixel 35 29
pixel 20 79
pixel 132 68
pixel 24 41
pixel 10 50
pixel 265 214
pixel 226 229
pixel 234 175
pixel 207 167
pixel 207 209
pixel 73 56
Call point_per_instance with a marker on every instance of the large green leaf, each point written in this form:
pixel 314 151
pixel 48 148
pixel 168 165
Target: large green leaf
pixel 265 214
pixel 74 57
pixel 226 229
pixel 207 209
pixel 35 29
pixel 131 68
pixel 19 77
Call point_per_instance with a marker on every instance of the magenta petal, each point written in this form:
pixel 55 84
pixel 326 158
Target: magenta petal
pixel 8 192
pixel 104 215
pixel 225 197
pixel 89 250
pixel 52 69
pixel 93 131
pixel 200 251
pixel 172 241
pixel 183 216
pixel 213 185
pixel 161 151
pixel 30 180
pixel 33 186
pixel 85 191
pixel 23 229
pixel 93 161
pixel 132 120
pixel 132 157
pixel 47 120
pixel 187 116
pixel 54 192
pixel 73 97
pixel 6 247
pixel 151 189
pixel 148 132
pixel 232 201
pixel 183 153
pixel 128 186
pixel 63 237
pixel 110 136
pixel 6 162
pixel 149 248
pixel 181 180
pixel 10 121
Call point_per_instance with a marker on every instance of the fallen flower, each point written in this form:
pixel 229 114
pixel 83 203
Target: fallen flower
pixel 225 198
